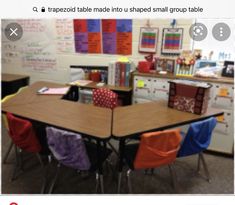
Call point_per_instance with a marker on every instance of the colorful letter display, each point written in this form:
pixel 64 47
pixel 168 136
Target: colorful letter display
pixel 172 41
pixel 148 39
pixel 87 35
pixel 117 36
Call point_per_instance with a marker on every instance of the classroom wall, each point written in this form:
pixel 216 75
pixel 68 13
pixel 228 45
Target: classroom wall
pixel 12 56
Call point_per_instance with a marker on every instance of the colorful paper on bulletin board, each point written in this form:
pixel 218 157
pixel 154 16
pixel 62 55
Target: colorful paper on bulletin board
pixel 172 41
pixel 87 35
pixel 148 39
pixel 117 36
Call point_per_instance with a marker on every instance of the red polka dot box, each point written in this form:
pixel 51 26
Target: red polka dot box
pixel 104 97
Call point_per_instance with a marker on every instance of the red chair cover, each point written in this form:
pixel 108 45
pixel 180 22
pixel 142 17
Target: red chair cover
pixel 22 134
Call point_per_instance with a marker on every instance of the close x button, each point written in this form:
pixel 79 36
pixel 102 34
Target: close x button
pixel 13 31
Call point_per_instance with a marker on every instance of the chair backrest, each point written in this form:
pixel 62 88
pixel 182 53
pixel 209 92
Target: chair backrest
pixel 21 89
pixel 198 137
pixel 4 118
pixel 6 98
pixel 22 133
pixel 104 97
pixel 157 149
pixel 68 148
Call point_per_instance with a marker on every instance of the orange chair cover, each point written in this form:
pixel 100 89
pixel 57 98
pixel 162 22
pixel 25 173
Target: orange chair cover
pixel 157 149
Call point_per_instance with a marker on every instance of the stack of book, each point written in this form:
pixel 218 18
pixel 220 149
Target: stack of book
pixel 119 73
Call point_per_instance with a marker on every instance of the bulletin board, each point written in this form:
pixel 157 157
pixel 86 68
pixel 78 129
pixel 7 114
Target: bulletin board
pixel 87 35
pixel 117 36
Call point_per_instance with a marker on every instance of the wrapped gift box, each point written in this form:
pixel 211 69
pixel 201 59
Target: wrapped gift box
pixel 189 96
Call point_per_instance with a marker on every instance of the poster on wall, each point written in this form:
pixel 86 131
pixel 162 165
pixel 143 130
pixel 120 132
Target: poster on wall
pixel 64 36
pixel 39 56
pixel 117 36
pixel 148 40
pixel 35 50
pixel 87 35
pixel 38 53
pixel 172 39
pixel 10 52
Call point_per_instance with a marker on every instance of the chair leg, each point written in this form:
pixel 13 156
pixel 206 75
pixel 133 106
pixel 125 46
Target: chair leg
pixel 119 182
pixel 101 183
pixel 128 174
pixel 44 171
pixel 20 160
pixel 174 178
pixel 113 149
pixel 199 164
pixel 205 167
pixel 54 180
pixel 7 153
pixel 17 165
pixel 97 182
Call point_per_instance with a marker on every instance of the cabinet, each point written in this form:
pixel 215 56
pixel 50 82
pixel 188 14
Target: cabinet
pixel 150 87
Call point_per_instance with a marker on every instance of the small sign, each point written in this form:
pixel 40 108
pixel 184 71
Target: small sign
pixel 220 118
pixel 223 92
pixel 140 84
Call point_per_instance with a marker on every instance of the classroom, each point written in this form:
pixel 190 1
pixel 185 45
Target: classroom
pixel 117 106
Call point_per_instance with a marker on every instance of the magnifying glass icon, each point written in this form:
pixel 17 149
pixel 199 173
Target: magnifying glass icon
pixel 35 9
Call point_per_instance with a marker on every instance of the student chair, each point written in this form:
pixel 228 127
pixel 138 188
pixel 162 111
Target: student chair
pixel 24 138
pixel 104 97
pixel 197 140
pixel 21 89
pixel 154 150
pixel 70 150
pixel 5 123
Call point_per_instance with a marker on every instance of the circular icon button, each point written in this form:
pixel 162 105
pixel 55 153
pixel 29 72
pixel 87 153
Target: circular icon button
pixel 198 31
pixel 13 31
pixel 221 31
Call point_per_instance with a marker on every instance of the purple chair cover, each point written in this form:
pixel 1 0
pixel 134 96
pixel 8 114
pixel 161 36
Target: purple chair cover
pixel 68 148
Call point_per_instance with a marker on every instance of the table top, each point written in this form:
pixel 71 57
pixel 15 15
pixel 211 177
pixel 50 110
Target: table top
pixel 30 95
pixel 151 116
pixel 52 110
pixel 7 77
pixel 73 116
pixel 97 121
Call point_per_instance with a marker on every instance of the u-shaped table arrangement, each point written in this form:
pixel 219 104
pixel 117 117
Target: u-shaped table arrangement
pixel 99 123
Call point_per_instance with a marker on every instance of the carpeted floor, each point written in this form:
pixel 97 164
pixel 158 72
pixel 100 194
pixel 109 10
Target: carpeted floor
pixel 71 182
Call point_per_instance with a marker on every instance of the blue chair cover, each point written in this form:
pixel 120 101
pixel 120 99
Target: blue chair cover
pixel 68 148
pixel 198 137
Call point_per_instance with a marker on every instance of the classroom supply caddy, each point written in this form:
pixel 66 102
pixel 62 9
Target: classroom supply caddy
pixel 189 96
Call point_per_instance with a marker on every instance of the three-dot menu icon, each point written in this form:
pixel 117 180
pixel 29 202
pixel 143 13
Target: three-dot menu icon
pixel 221 31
